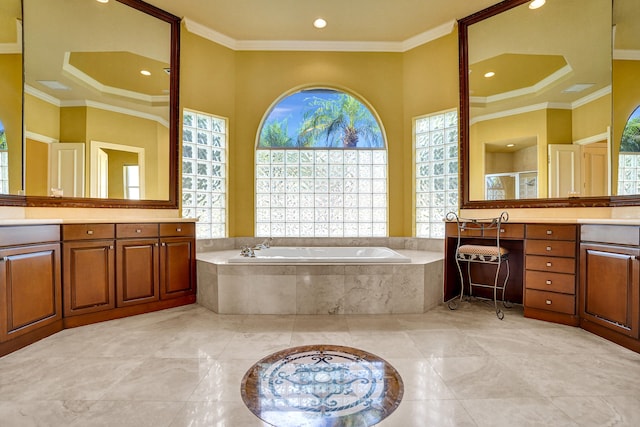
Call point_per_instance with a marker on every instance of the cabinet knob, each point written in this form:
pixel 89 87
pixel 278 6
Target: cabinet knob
pixel 549 232
pixel 178 229
pixel 548 248
pixel 548 264
pixel 548 302
pixel 155 244
pixel 111 247
pixel 89 232
pixel 548 282
pixel 164 244
pixel 4 258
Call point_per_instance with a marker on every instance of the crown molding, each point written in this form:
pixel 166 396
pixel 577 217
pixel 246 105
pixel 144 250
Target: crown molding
pixel 626 54
pixel 317 46
pixel 93 104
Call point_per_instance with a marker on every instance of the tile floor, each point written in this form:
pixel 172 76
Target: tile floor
pixel 183 367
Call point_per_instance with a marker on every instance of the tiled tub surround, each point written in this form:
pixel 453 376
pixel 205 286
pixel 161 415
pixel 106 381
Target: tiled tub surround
pixel 331 288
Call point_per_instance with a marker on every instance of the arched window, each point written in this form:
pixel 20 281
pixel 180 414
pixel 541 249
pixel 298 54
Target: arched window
pixel 321 168
pixel 4 162
pixel 629 158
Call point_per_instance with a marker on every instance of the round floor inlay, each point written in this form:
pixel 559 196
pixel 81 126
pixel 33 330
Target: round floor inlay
pixel 322 386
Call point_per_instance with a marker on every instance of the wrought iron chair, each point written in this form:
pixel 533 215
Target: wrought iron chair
pixel 488 251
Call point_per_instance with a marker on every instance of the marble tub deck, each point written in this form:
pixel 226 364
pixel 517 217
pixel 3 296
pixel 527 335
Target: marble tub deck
pixel 331 288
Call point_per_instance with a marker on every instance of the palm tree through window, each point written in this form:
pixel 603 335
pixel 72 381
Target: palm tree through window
pixel 321 168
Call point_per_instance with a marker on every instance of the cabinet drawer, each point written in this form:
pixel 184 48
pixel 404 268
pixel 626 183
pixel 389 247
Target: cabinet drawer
pixel 550 301
pixel 27 234
pixel 177 229
pixel 552 282
pixel 551 231
pixel 452 230
pixel 136 230
pixel 88 231
pixel 557 265
pixel 507 231
pixel 551 248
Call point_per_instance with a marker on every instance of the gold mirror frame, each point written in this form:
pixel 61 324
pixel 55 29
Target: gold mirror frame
pixel 174 147
pixel 465 202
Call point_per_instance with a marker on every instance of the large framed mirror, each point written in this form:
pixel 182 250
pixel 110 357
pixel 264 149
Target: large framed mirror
pixel 99 103
pixel 540 112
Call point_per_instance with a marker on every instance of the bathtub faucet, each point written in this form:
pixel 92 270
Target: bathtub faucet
pixel 246 251
pixel 266 244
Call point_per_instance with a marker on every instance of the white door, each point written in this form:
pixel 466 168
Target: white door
pixel 564 170
pixel 66 168
pixel 595 170
pixel 102 173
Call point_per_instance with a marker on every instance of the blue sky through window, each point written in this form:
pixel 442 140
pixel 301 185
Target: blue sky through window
pixel 320 118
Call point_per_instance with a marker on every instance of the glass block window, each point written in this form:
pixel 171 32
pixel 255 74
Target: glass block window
pixel 321 193
pixel 629 158
pixel 4 162
pixel 321 168
pixel 204 173
pixel 628 174
pixel 436 174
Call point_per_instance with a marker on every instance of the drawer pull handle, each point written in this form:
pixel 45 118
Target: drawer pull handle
pixel 548 264
pixel 548 302
pixel 548 248
pixel 89 232
pixel 548 282
pixel 138 230
pixel 502 230
pixel 178 229
pixel 549 232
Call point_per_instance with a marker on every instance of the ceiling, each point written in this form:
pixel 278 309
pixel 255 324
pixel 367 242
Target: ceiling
pixel 348 20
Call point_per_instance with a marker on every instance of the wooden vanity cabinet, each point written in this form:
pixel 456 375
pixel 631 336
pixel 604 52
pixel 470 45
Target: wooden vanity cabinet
pixel 88 268
pixel 137 259
pixel 550 272
pixel 177 260
pixel 30 284
pixel 610 282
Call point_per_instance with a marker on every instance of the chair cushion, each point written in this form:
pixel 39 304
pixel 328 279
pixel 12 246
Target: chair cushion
pixel 482 253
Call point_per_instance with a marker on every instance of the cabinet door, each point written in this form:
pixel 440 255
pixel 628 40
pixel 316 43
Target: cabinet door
pixel 88 276
pixel 609 286
pixel 177 267
pixel 137 271
pixel 30 289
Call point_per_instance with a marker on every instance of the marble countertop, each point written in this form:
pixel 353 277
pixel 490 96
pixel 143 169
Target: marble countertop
pixel 38 221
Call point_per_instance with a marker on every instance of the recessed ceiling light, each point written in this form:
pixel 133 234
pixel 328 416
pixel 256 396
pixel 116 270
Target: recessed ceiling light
pixel 53 84
pixel 319 23
pixel 536 4
pixel 489 74
pixel 511 145
pixel 145 72
pixel 102 1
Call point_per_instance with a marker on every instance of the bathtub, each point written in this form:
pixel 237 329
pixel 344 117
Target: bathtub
pixel 322 254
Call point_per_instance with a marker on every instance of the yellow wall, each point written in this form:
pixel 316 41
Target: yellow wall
pixel 626 98
pixel 11 115
pixel 430 80
pixel 243 85
pixel 37 174
pixel 591 119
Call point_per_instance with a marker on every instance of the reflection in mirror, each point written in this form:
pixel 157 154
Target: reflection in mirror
pixel 97 100
pixel 539 101
pixel 11 97
pixel 626 97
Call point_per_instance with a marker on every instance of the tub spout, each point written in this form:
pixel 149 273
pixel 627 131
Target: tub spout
pixel 266 244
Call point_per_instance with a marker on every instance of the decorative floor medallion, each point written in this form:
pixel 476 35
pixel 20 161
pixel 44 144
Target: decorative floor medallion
pixel 322 386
